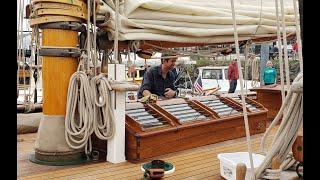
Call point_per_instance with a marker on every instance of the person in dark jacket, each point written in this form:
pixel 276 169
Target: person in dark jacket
pixel 159 79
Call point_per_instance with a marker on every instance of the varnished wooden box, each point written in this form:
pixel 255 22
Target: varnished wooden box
pixel 144 143
pixel 270 98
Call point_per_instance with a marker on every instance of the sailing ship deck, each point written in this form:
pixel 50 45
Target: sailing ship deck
pixel 196 163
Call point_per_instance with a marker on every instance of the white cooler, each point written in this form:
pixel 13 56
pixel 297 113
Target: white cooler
pixel 229 161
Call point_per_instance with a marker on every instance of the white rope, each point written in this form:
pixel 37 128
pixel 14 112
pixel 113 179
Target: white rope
pixel 103 114
pixel 287 131
pixel 95 39
pixel 88 34
pixel 288 162
pixel 260 15
pixel 298 34
pixel 246 63
pixel 21 54
pixel 276 173
pixel 91 98
pixel 244 108
pixel 272 174
pixel 254 70
pixel 280 53
pixel 286 63
pixel 29 107
pixel 78 122
pixel 134 45
pixel 116 36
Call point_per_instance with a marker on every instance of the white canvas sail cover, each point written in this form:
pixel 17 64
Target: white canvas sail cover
pixel 193 21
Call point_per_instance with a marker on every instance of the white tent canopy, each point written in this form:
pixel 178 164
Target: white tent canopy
pixel 196 21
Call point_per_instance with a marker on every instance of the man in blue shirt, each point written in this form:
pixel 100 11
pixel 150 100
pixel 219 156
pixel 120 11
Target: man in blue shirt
pixel 159 79
pixel 269 74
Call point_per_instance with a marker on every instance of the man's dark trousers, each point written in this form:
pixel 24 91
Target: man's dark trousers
pixel 233 86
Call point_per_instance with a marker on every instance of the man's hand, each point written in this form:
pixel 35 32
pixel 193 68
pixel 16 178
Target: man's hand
pixel 169 93
pixel 146 93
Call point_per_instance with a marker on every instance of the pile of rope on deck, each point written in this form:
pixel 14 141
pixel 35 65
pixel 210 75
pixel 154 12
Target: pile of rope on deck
pixel 188 21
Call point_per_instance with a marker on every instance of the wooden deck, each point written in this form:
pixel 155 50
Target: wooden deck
pixel 197 163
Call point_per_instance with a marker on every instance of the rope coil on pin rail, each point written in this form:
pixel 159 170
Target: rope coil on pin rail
pixel 93 115
pixel 103 125
pixel 103 114
pixel 79 110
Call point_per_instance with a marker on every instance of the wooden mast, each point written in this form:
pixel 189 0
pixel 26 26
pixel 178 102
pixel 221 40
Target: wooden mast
pixel 59 36
pixel 57 70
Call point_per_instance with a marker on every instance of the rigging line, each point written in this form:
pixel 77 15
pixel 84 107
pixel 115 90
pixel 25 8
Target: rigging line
pixel 280 53
pixel 88 35
pixel 245 115
pixel 298 35
pixel 34 38
pixel 116 38
pixel 259 24
pixel 95 38
pixel 22 52
pixel 38 58
pixel 18 43
pixel 286 63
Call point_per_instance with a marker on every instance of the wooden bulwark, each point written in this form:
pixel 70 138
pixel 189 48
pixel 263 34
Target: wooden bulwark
pixel 270 98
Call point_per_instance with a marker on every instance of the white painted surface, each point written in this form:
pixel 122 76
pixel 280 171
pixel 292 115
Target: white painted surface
pixel 116 145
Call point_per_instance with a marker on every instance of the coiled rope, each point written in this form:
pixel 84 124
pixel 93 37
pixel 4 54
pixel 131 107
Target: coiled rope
pixel 103 114
pixel 287 132
pixel 88 109
pixel 90 97
pixel 79 112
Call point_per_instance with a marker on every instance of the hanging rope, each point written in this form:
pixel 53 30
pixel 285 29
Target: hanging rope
pixel 244 108
pixel 254 69
pixel 260 19
pixel 116 50
pixel 79 110
pixel 298 34
pixel 92 97
pixel 287 131
pixel 103 114
pixel 134 46
pixel 286 62
pixel 280 53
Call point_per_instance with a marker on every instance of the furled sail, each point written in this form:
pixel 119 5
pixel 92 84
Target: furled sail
pixel 197 21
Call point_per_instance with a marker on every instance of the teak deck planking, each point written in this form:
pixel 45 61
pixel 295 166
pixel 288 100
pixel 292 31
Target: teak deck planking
pixel 196 163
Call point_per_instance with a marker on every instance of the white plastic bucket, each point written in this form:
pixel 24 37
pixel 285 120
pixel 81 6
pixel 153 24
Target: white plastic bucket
pixel 229 161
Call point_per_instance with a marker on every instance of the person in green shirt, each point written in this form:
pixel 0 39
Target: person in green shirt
pixel 269 74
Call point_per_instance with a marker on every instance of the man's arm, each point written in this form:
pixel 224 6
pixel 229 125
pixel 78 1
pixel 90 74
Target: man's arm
pixel 146 84
pixel 229 73
pixel 169 93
